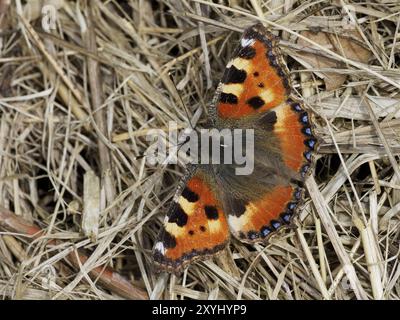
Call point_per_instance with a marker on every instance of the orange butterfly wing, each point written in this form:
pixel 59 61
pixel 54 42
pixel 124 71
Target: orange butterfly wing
pixel 258 219
pixel 269 208
pixel 254 80
pixel 195 227
pixel 256 85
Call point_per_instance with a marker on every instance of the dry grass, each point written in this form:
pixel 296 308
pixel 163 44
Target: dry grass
pixel 77 102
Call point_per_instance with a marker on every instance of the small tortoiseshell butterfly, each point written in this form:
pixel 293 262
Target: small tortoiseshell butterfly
pixel 255 92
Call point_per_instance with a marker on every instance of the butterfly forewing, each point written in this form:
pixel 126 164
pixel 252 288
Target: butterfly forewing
pixel 254 80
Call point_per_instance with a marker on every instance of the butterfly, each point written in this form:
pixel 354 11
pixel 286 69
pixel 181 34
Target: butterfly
pixel 212 202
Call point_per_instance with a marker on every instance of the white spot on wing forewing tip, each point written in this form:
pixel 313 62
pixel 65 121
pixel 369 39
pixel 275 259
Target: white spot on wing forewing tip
pixel 246 42
pixel 160 247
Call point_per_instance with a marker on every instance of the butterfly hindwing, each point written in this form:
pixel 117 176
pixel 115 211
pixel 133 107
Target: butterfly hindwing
pixel 195 226
pixel 294 131
pixel 256 219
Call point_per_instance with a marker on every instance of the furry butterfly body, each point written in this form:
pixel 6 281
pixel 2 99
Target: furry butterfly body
pixel 212 201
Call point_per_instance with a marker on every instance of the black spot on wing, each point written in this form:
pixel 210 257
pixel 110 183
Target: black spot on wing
pixel 234 75
pixel 247 53
pixel 168 240
pixel 178 216
pixel 268 120
pixel 237 207
pixel 211 212
pixel 189 195
pixel 255 102
pixel 228 98
pixel 203 229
